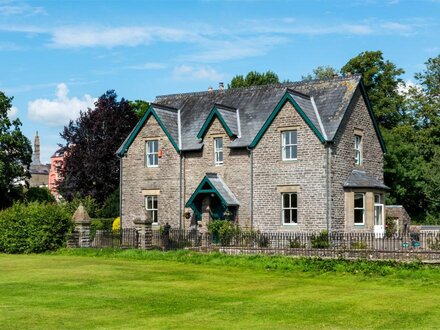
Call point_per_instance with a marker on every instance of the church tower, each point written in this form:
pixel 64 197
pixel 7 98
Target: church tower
pixel 36 153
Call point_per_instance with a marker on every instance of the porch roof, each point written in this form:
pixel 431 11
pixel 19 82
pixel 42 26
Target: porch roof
pixel 360 179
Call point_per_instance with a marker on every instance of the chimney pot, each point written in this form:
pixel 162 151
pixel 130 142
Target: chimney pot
pixel 210 89
pixel 221 86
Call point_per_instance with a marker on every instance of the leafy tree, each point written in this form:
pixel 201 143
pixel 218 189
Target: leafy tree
pixel 37 194
pixel 110 208
pixel 321 72
pixel 139 107
pixel 412 165
pixel 254 78
pixel 91 167
pixel 381 79
pixel 15 155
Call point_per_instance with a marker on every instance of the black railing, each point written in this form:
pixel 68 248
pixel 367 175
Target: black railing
pixel 125 238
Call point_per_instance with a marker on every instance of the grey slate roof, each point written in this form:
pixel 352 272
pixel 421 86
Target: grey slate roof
pixel 229 115
pixel 359 179
pixel 169 117
pixel 255 105
pixel 222 189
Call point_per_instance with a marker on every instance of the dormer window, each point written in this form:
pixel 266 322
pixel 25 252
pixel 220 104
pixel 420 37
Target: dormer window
pixel 218 151
pixel 289 145
pixel 358 149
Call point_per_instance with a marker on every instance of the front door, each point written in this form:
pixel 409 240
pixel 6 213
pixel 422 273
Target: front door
pixel 379 227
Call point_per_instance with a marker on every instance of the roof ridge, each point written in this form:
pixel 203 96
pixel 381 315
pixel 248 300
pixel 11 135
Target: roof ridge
pixel 256 87
pixel 295 92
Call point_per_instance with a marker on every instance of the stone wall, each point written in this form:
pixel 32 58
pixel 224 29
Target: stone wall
pixel 343 162
pixel 138 179
pixel 307 173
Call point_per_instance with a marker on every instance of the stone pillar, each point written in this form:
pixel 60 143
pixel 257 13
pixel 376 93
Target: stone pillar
pixel 206 215
pixel 82 222
pixel 145 232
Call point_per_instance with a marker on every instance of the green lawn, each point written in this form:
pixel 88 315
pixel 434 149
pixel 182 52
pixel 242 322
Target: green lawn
pixel 144 291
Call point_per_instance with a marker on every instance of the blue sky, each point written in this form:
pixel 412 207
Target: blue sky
pixel 57 57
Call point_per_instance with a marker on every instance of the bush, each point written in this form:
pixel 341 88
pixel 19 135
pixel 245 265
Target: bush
pixel 223 231
pixel 295 243
pixel 90 204
pixel 38 194
pixel 34 228
pixel 110 207
pixel 390 227
pixel 320 241
pixel 359 245
pixel 116 226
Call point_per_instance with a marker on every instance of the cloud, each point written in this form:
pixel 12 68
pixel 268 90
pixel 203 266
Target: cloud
pixel 147 66
pixel 12 112
pixel 9 8
pixel 129 36
pixel 186 72
pixel 238 48
pixel 59 110
pixel 405 87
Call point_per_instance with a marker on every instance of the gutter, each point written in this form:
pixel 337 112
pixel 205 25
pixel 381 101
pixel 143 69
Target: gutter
pixel 252 186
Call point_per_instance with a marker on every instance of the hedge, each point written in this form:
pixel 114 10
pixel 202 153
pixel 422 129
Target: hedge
pixel 34 228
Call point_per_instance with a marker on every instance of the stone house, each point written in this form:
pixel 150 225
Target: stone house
pixel 304 156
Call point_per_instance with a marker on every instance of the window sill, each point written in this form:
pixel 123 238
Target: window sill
pixel 290 224
pixel 359 224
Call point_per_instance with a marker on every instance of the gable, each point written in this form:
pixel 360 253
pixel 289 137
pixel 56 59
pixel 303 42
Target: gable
pixel 227 117
pixel 168 120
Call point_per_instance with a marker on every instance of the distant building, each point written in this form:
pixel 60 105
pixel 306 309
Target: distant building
pixel 56 164
pixel 39 172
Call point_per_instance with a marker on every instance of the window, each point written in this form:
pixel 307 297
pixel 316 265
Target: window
pixel 151 207
pixel 290 208
pixel 359 208
pixel 152 148
pixel 358 149
pixel 378 210
pixel 289 145
pixel 218 151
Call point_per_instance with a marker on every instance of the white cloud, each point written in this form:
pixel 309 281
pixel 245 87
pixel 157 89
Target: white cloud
pixel 403 88
pixel 147 66
pixel 12 112
pixel 9 8
pixel 186 72
pixel 59 110
pixel 89 36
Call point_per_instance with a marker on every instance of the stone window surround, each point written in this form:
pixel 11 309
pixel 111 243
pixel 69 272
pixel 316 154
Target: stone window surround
pixel 147 140
pixel 282 189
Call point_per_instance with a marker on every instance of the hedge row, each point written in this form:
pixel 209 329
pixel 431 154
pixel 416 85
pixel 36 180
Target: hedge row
pixel 34 228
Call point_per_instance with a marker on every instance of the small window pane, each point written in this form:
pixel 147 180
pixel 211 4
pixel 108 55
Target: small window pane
pixel 294 216
pixel 288 156
pixel 359 216
pixel 293 137
pixel 287 216
pixel 286 202
pixel 293 202
pixel 359 200
pixel 294 152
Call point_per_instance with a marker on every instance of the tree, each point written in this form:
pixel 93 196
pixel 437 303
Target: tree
pixel 139 107
pixel 412 164
pixel 91 167
pixel 381 80
pixel 254 78
pixel 38 194
pixel 321 72
pixel 15 155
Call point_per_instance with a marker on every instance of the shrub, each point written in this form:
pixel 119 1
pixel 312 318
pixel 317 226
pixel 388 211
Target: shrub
pixel 38 194
pixel 359 245
pixel 434 243
pixel 116 226
pixel 223 231
pixel 110 207
pixel 320 241
pixel 295 243
pixel 34 228
pixel 390 227
pixel 89 203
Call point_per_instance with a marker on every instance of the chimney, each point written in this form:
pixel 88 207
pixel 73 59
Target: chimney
pixel 210 89
pixel 221 86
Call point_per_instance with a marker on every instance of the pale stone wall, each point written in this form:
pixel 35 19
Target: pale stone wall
pixel 343 162
pixel 137 177
pixel 307 172
pixel 235 170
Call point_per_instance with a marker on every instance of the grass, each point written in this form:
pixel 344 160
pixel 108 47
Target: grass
pixel 82 289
